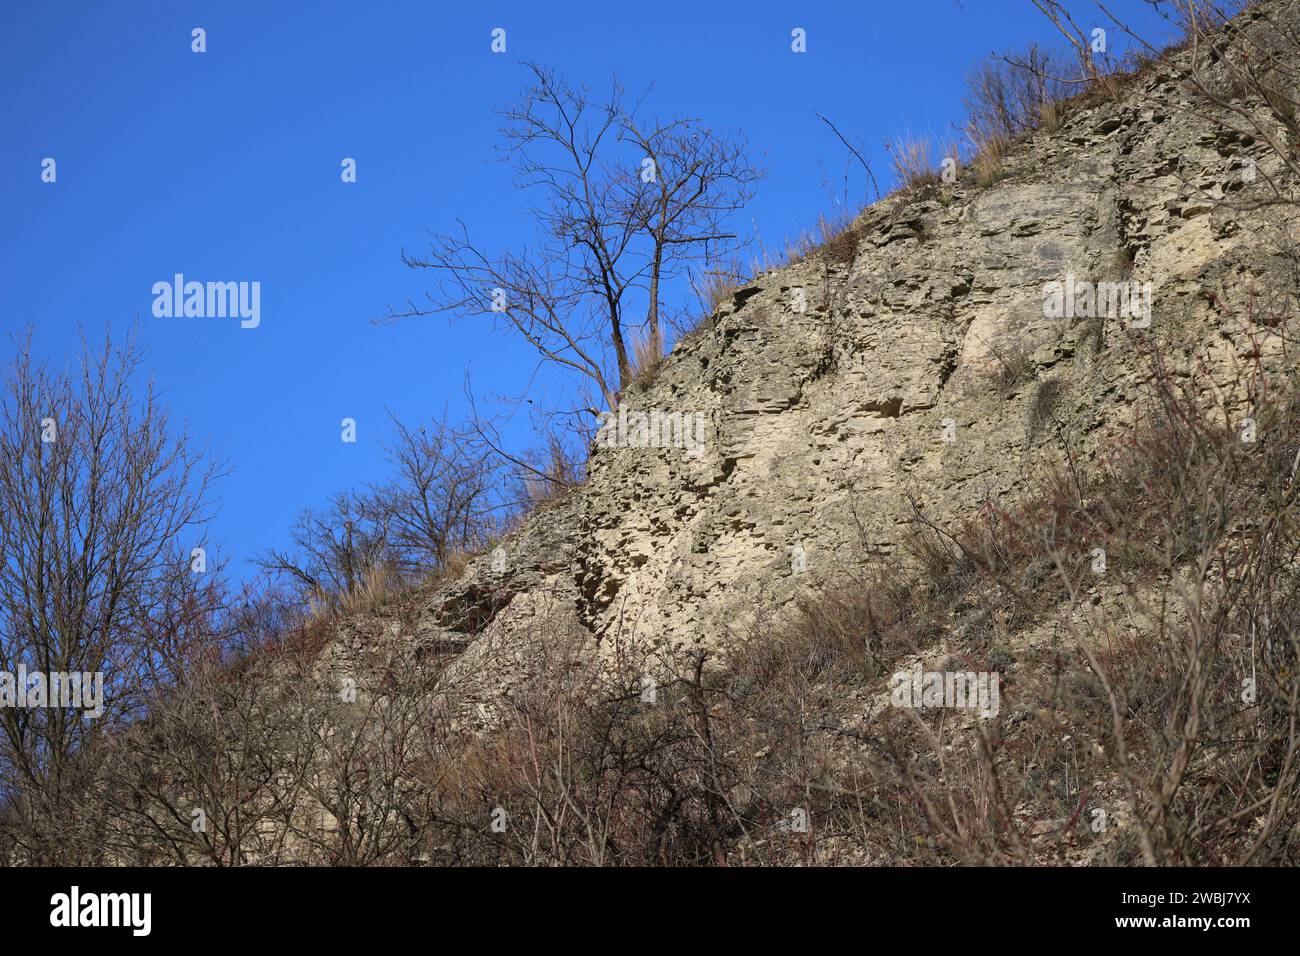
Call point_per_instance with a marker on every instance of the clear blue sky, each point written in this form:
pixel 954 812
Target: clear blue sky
pixel 225 166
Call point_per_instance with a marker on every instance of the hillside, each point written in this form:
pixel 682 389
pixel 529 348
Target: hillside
pixel 937 444
pixel 824 428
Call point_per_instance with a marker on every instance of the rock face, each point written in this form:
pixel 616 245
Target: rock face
pixel 912 366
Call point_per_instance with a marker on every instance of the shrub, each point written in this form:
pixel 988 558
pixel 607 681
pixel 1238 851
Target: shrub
pixel 1012 95
pixel 839 241
pixel 1014 367
pixel 912 160
pixel 714 287
pixel 647 357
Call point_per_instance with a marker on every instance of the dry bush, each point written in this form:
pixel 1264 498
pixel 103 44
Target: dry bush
pixel 1197 527
pixel 1015 94
pixel 584 764
pixel 839 240
pixel 1014 368
pixel 833 237
pixel 912 158
pixel 713 287
pixel 365 546
pixel 543 474
pixel 367 799
pixel 213 775
pixel 646 359
pixel 1130 741
pixel 1043 407
pixel 335 550
pixel 442 499
pixel 268 758
pixel 1244 76
pixel 726 764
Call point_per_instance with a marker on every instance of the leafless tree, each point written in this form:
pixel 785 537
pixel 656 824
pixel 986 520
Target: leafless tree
pixel 626 202
pixel 101 505
pixel 1059 14
pixel 335 548
pixel 443 497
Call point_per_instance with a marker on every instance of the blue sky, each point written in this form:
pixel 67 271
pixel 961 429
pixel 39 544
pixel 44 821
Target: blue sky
pixel 225 165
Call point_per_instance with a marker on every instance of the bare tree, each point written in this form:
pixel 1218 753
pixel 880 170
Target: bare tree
pixel 102 504
pixel 692 183
pixel 1010 95
pixel 442 499
pixel 1059 14
pixel 334 549
pixel 626 201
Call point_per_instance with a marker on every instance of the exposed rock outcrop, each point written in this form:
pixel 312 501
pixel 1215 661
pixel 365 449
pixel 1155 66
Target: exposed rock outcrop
pixel 837 395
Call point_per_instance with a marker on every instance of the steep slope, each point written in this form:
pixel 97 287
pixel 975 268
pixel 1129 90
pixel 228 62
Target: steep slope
pixel 901 459
pixel 841 393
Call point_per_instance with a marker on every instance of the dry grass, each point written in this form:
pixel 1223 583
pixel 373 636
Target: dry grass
pixel 1134 708
pixel 792 251
pixel 715 286
pixel 378 583
pixel 987 164
pixel 912 159
pixel 1014 368
pixel 647 357
pixel 546 473
pixel 1051 114
pixel 1017 94
pixel 839 240
pixel 833 237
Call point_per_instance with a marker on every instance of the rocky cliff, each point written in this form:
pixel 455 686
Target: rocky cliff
pixel 910 365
